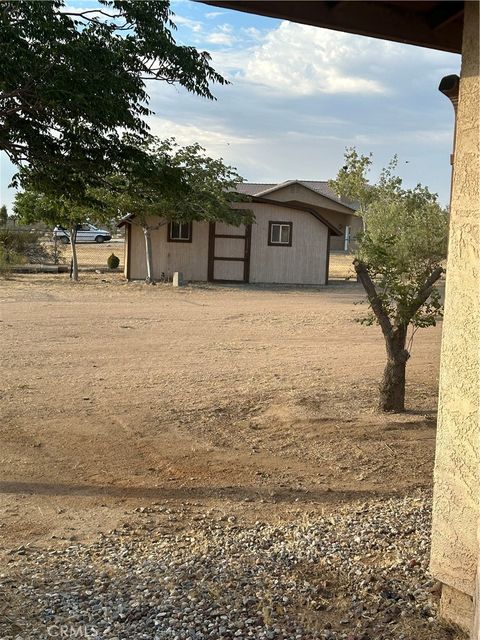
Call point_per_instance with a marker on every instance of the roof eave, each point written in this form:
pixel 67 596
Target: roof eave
pixel 125 220
pixel 288 183
pixel 432 24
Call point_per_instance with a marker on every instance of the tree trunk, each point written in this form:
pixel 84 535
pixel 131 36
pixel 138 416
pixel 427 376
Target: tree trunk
pixel 148 255
pixel 392 387
pixel 73 246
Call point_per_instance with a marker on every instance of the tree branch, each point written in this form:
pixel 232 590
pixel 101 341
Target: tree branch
pixel 373 298
pixel 425 291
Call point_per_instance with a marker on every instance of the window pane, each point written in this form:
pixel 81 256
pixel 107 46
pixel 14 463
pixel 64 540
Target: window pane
pixel 275 233
pixel 184 231
pixel 174 230
pixel 285 234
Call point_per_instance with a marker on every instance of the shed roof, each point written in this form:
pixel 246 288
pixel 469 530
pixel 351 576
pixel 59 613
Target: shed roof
pixel 436 24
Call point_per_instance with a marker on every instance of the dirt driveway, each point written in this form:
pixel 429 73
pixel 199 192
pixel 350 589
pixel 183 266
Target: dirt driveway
pixel 250 399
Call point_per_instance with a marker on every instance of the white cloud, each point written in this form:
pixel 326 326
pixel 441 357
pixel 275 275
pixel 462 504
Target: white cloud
pixel 223 35
pixel 194 25
pixel 220 38
pixel 214 14
pixel 302 60
pixel 253 33
pixel 212 136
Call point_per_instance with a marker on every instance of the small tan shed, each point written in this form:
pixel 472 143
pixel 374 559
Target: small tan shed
pixel 288 243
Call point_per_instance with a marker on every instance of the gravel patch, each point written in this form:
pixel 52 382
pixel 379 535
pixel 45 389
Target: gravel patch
pixel 359 574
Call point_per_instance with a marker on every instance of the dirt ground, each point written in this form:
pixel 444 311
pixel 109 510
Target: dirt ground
pixel 91 254
pixel 250 399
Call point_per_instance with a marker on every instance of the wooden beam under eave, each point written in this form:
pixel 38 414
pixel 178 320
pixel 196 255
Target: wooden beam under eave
pixel 397 21
pixel 444 14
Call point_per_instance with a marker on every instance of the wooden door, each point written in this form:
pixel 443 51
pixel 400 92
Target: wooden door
pixel 229 253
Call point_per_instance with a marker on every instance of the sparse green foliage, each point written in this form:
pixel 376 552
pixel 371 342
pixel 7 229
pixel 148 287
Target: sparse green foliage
pixel 168 182
pixel 33 206
pixel 20 246
pixel 113 261
pixel 3 216
pixel 399 259
pixel 72 79
pixel 175 183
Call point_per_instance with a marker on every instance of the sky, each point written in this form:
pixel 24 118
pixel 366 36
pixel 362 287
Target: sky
pixel 300 95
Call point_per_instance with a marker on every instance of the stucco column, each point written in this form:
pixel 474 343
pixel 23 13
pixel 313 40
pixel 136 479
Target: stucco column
pixel 455 542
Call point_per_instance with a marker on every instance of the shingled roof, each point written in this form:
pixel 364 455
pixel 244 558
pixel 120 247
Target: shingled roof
pixel 320 186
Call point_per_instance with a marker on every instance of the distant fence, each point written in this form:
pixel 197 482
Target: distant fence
pixel 90 255
pixel 24 246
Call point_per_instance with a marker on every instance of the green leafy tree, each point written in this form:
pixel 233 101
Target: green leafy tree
pixel 3 216
pixel 174 183
pixel 71 79
pixel 399 259
pixel 54 210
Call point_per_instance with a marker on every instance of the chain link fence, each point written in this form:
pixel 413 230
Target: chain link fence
pixel 91 255
pixel 27 246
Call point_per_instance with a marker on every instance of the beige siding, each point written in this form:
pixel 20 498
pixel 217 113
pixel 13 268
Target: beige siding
pixel 228 270
pixel 230 247
pixel 190 258
pixel 455 545
pixel 227 229
pixel 302 263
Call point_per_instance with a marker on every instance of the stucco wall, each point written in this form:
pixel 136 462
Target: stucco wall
pixel 457 487
pixel 190 258
pixel 302 263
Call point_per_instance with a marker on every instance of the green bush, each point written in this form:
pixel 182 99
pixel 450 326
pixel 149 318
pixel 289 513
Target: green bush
pixel 113 261
pixel 21 246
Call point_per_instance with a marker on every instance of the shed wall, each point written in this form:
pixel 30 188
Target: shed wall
pixel 304 262
pixel 190 258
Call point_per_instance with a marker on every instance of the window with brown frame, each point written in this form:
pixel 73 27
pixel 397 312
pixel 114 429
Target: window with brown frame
pixel 279 234
pixel 179 232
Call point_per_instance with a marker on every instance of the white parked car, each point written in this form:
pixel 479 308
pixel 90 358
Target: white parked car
pixel 85 233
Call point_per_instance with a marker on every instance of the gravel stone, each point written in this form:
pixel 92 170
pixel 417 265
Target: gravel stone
pixel 360 573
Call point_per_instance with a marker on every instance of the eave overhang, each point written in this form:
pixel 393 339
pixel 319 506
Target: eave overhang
pixel 436 24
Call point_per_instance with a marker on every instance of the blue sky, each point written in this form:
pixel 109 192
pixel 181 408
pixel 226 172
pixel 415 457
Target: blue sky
pixel 299 95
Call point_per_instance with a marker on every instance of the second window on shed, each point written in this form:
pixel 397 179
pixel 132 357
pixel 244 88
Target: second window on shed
pixel 280 233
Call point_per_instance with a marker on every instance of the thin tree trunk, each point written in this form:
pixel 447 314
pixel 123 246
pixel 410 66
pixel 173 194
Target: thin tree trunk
pixel 148 255
pixel 73 246
pixel 392 387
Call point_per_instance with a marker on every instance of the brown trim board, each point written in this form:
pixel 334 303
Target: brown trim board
pixel 225 259
pixel 248 247
pixel 229 235
pixel 211 251
pixel 128 251
pixel 327 261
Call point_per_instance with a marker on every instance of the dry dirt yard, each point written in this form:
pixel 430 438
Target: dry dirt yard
pixel 129 408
